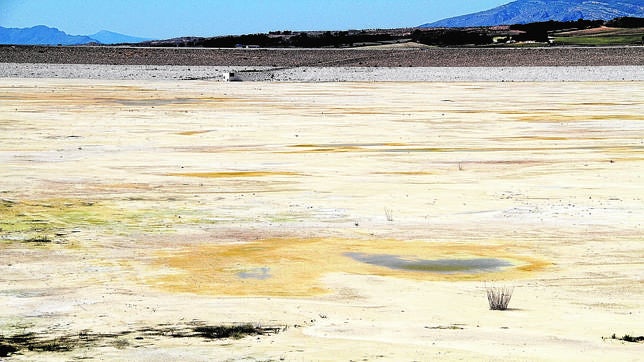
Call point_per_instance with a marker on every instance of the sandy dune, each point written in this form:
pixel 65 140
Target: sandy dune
pixel 365 219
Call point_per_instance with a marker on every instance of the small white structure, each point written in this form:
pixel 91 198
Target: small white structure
pixel 231 77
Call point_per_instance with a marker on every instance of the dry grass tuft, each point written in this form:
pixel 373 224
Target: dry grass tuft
pixel 389 213
pixel 499 297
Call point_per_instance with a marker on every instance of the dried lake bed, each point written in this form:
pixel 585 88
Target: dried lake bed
pixel 365 219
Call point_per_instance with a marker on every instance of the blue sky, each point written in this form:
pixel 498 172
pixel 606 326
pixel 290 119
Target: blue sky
pixel 172 18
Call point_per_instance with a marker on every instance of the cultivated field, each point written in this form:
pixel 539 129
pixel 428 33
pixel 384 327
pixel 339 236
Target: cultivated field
pixel 362 221
pixel 330 57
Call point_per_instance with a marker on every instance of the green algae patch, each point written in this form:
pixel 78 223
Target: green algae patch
pixel 56 220
pixel 51 219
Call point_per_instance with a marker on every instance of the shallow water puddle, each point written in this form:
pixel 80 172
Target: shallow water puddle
pixel 474 265
pixel 294 267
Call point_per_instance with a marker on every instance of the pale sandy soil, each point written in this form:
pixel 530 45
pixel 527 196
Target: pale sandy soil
pixel 164 203
pixel 325 74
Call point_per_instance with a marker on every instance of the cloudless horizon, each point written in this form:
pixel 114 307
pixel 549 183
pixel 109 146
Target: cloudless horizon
pixel 162 19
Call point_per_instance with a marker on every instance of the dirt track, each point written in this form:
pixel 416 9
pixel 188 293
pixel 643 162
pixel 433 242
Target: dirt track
pixel 432 57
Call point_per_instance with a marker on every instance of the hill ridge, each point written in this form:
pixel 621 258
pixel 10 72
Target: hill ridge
pixel 529 11
pixel 45 35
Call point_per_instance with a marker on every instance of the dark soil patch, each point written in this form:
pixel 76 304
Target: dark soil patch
pixel 48 342
pixel 629 338
pixel 7 349
pixel 39 239
pixel 432 57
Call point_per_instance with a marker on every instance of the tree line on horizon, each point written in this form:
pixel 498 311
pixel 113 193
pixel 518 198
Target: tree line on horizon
pixel 530 32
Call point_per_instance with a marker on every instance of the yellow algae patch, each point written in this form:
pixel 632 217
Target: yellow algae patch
pixel 191 133
pixel 326 148
pixel 406 173
pixel 339 148
pixel 558 117
pixel 232 174
pixel 294 267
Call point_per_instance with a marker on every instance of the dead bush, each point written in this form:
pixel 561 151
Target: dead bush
pixel 499 297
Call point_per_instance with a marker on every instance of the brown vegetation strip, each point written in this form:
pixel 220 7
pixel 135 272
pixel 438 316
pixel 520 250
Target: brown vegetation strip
pixel 431 57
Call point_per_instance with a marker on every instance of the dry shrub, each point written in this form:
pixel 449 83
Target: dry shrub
pixel 389 213
pixel 499 297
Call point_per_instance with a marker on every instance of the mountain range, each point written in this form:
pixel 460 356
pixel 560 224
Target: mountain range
pixel 109 37
pixel 44 35
pixel 530 11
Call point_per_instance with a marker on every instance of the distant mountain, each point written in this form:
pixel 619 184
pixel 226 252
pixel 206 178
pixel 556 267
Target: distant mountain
pixel 108 37
pixel 41 35
pixel 529 11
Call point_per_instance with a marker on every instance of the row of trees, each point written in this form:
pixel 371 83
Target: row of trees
pixel 537 32
pixel 285 39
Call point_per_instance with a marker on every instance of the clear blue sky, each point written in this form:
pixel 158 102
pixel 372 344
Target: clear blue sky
pixel 173 18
